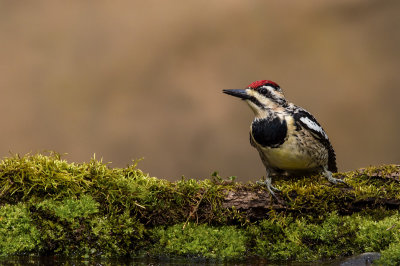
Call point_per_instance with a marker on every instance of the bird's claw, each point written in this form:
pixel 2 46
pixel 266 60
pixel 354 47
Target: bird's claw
pixel 333 180
pixel 336 181
pixel 267 183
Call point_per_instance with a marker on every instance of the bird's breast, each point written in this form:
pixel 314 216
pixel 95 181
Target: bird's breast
pixel 289 156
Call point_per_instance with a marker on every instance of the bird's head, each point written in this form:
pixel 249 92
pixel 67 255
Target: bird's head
pixel 262 95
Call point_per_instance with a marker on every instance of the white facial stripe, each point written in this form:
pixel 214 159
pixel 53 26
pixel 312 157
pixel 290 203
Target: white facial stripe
pixel 271 89
pixel 261 97
pixel 313 126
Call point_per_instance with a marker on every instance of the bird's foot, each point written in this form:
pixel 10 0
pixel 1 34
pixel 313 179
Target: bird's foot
pixel 267 183
pixel 333 180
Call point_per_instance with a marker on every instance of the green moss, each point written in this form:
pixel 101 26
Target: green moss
pixel 378 235
pixel 74 227
pixel 50 206
pixel 284 238
pixel 391 255
pixel 117 236
pixel 17 233
pixel 69 209
pixel 317 194
pixel 41 176
pixel 200 240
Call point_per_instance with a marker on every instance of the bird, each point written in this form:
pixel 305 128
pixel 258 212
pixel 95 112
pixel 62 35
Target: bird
pixel 289 140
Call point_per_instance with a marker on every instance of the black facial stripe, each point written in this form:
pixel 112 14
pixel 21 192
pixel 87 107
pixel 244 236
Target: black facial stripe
pixel 277 88
pixel 281 102
pixel 266 92
pixel 255 101
pixel 263 88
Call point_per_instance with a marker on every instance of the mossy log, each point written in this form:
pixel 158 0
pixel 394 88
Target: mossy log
pixel 50 206
pixel 344 198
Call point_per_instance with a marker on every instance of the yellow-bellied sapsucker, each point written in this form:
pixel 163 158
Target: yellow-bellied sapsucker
pixel 288 138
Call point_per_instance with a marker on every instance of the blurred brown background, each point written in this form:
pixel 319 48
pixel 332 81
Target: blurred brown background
pixel 132 79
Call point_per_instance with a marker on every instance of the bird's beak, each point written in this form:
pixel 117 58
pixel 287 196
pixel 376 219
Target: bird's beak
pixel 238 93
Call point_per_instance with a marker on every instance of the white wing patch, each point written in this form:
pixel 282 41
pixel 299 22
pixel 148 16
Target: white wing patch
pixel 312 125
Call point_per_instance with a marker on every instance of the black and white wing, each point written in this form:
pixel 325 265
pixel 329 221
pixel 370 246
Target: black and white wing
pixel 304 119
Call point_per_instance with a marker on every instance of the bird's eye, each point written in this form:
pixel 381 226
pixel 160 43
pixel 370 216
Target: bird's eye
pixel 263 91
